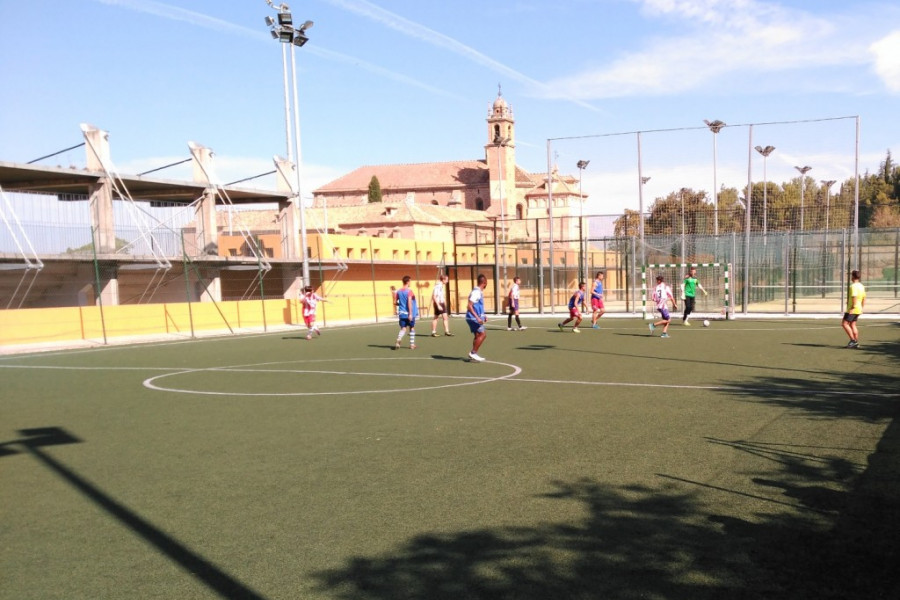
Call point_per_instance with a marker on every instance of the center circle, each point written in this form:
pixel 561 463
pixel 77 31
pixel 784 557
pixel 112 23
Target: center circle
pixel 332 376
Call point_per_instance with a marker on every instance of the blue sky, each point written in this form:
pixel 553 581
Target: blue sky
pixel 404 81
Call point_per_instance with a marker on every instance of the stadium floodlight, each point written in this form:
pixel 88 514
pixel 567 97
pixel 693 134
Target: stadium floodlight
pixel 803 171
pixel 715 126
pixel 765 154
pixel 285 33
pixel 300 37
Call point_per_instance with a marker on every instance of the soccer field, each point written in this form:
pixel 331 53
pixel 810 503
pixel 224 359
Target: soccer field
pixel 750 459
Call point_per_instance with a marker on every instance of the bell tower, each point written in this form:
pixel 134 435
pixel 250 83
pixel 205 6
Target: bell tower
pixel 500 155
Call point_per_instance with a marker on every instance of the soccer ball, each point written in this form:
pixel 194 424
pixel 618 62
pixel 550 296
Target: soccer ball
pixel 706 322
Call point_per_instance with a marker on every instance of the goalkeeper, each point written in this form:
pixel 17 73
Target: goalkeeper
pixel 689 288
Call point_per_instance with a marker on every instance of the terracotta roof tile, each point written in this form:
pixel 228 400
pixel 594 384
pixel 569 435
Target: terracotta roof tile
pixel 459 173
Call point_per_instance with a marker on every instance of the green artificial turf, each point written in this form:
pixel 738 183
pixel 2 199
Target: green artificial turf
pixel 750 459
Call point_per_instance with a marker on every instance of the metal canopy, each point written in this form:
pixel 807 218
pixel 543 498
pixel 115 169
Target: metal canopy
pixel 16 177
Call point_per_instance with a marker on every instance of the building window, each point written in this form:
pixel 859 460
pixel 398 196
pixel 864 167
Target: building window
pixel 520 211
pixel 479 204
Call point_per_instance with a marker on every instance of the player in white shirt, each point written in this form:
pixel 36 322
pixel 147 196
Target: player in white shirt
pixel 512 301
pixel 662 295
pixel 310 299
pixel 439 306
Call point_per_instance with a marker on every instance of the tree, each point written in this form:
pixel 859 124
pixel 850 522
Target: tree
pixel 374 189
pixel 629 224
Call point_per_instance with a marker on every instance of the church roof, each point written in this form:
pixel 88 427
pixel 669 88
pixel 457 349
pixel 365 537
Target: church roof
pixel 457 173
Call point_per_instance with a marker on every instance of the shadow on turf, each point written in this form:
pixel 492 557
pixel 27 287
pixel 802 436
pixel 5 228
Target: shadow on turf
pixel 838 539
pixel 222 583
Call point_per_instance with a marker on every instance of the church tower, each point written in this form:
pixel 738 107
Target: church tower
pixel 500 154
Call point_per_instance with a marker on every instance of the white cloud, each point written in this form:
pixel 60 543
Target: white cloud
pixel 720 37
pixel 887 60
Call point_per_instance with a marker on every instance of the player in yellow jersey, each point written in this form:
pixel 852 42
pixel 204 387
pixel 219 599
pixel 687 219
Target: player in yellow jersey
pixel 856 300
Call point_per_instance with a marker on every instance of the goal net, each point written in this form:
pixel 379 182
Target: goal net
pixel 713 277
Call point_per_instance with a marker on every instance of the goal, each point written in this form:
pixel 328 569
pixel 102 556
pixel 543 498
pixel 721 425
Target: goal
pixel 714 277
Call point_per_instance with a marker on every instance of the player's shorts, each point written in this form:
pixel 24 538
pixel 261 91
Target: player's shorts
pixel 475 326
pixel 574 312
pixel 850 317
pixel 437 309
pixel 513 305
pixel 407 322
pixel 665 314
pixel 309 320
pixel 597 303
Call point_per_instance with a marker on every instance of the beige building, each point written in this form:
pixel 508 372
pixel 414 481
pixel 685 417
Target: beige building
pixel 419 200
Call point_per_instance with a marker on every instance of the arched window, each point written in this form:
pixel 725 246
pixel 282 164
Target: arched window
pixel 520 212
pixel 479 204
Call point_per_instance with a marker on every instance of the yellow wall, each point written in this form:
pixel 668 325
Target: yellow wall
pixel 39 325
pixel 356 294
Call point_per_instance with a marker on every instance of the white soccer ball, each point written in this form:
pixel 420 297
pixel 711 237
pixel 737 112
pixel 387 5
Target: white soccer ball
pixel 706 322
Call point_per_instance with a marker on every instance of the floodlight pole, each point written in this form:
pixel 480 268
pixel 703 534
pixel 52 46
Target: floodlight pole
pixel 826 183
pixel 715 126
pixel 683 254
pixel 641 182
pixel 303 243
pixel 765 154
pixel 582 165
pixel 550 219
pixel 748 222
pixel 501 142
pixel 287 104
pixel 285 33
pixel 803 171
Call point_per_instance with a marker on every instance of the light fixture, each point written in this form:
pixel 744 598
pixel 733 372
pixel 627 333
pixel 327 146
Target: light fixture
pixel 285 34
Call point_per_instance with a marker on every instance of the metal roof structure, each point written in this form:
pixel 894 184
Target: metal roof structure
pixel 17 177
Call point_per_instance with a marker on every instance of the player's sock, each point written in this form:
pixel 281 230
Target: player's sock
pixel 412 338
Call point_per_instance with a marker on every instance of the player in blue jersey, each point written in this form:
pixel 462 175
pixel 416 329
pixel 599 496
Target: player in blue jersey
pixel 597 306
pixel 476 318
pixel 407 310
pixel 576 303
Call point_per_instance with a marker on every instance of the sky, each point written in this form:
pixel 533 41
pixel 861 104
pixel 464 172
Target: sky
pixel 409 81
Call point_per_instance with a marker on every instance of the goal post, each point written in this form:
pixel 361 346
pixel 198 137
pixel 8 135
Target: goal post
pixel 714 277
